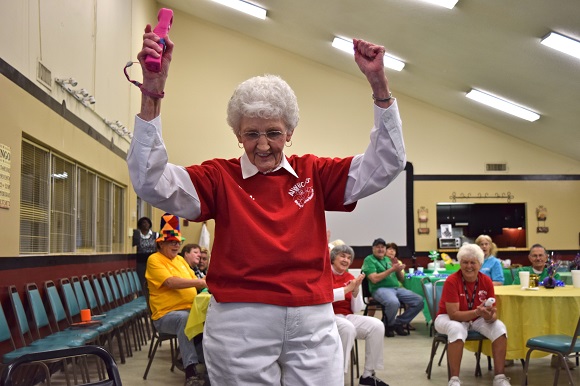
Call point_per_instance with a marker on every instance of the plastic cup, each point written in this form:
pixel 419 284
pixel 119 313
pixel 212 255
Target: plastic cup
pixel 576 278
pixel 85 315
pixel 524 278
pixel 411 270
pixel 420 269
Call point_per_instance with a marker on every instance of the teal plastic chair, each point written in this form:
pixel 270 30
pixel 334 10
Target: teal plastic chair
pixel 564 346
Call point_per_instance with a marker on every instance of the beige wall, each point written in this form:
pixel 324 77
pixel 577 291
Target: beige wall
pixel 209 61
pixel 22 116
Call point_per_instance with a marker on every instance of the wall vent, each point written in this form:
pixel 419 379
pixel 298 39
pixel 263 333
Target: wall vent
pixel 496 167
pixel 44 76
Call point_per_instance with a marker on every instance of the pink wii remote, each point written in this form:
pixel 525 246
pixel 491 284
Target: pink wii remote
pixel 165 19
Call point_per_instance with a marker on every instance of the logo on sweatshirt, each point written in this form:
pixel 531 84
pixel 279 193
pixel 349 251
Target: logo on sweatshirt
pixel 302 192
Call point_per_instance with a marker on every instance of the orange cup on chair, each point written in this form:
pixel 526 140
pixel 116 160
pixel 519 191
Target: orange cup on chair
pixel 86 315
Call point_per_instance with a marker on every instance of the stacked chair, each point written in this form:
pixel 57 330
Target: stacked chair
pixel 11 378
pixel 52 335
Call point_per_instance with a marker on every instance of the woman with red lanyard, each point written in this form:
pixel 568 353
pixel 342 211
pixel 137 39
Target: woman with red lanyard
pixel 462 309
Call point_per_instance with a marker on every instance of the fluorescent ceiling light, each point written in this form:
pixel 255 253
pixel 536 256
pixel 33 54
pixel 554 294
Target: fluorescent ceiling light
pixel 244 7
pixel 563 44
pixel 443 3
pixel 503 105
pixel 389 61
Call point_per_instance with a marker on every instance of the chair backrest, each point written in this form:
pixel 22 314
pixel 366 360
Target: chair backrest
pixel 39 314
pixel 114 379
pixel 429 295
pixel 110 277
pixel 129 276
pixel 109 297
pixel 514 272
pixel 437 292
pixel 123 286
pixel 21 318
pixel 90 295
pixel 137 282
pixel 71 304
pixel 100 294
pixel 575 336
pixel 56 306
pixel 5 334
pixel 366 290
pixel 80 295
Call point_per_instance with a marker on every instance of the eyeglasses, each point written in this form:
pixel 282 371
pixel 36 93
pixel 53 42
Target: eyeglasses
pixel 173 243
pixel 272 135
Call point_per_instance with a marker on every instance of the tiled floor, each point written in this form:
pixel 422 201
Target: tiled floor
pixel 405 362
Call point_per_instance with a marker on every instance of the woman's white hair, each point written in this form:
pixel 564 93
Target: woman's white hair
pixel 267 97
pixel 470 251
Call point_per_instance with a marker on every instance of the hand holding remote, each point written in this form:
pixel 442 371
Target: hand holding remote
pixel 165 19
pixel 489 302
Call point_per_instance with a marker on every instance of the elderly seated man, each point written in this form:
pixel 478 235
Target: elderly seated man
pixel 385 274
pixel 352 326
pixel 538 257
pixel 172 288
pixel 462 308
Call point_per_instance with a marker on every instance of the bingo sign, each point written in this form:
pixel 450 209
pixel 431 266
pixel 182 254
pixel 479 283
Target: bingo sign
pixel 4 176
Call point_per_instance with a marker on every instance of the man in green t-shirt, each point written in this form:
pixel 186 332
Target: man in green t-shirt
pixel 538 257
pixel 385 273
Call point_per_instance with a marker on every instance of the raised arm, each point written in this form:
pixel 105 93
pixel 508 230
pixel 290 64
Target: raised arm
pixel 369 58
pixel 385 156
pixel 162 184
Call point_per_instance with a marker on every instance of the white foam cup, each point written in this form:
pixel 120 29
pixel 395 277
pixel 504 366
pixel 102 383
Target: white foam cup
pixel 576 278
pixel 524 278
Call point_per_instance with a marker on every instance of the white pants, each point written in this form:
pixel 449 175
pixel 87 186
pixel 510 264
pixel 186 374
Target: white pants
pixel 458 330
pixel 372 330
pixel 262 344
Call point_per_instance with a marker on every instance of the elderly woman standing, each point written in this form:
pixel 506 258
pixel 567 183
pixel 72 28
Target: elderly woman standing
pixel 270 321
pixel 462 308
pixel 491 265
pixel 352 326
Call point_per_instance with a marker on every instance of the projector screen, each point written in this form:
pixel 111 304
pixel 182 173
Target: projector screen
pixel 387 214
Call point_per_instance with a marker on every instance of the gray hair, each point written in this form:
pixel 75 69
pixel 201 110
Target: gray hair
pixel 337 250
pixel 538 246
pixel 469 251
pixel 267 97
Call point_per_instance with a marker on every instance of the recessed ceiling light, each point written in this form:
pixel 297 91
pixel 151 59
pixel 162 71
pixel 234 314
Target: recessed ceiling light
pixel 389 61
pixel 443 3
pixel 503 105
pixel 562 43
pixel 244 7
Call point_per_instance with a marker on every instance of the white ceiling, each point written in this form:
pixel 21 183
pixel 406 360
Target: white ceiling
pixel 492 45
